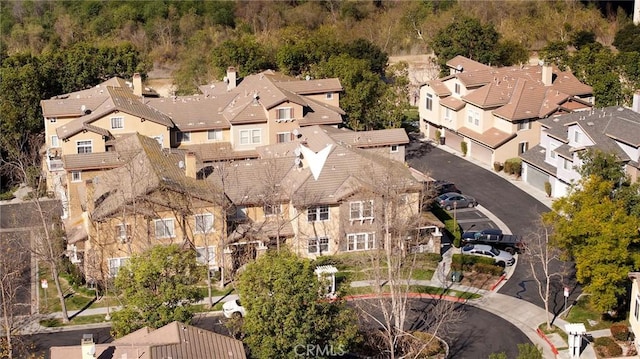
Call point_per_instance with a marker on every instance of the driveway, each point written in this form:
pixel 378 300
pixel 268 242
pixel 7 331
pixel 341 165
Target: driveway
pixel 516 208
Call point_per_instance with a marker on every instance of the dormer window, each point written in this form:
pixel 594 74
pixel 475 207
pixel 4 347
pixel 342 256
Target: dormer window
pixel 284 114
pixel 577 137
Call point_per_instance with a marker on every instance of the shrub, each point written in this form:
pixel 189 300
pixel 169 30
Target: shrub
pixel 438 135
pixel 497 166
pixel 606 347
pixel 620 331
pixel 463 148
pixel 453 229
pixel 487 268
pixel 513 166
pixel 547 188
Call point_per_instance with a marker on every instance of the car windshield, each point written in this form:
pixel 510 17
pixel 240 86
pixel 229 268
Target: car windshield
pixel 494 251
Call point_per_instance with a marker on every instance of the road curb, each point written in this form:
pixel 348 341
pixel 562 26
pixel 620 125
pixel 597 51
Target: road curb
pixel 409 295
pixel 496 284
pixel 543 336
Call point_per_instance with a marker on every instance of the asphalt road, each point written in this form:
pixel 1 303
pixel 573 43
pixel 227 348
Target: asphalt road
pixel 517 209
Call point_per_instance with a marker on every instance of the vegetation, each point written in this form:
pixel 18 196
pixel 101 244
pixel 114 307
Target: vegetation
pixel 525 351
pixel 513 166
pixel 157 287
pixel 607 347
pixel 282 297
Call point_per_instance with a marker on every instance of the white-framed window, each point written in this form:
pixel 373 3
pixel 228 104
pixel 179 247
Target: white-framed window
pixel 636 311
pixel 122 231
pixel 165 228
pixel 214 135
pixel 318 213
pixel 524 125
pixel 76 176
pixel 284 114
pixel 429 103
pixel 523 147
pixel 84 146
pixel 203 223
pixel 115 264
pixel 54 141
pixel 447 114
pixel 329 96
pixel 117 123
pixel 360 210
pixel 318 245
pixel 183 136
pixel 272 209
pixel 361 241
pixel 567 165
pixel 577 137
pixel 250 136
pixel 394 148
pixel 284 137
pixel 457 88
pixel 53 119
pixel 552 149
pixel 206 255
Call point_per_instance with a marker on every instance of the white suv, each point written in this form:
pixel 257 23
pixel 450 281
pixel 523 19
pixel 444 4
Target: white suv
pixel 233 309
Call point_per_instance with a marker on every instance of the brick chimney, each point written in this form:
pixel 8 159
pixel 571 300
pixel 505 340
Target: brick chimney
pixel 547 74
pixel 231 78
pixel 137 84
pixel 190 164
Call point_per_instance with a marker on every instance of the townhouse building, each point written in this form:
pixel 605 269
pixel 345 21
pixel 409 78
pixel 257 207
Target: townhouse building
pixel 556 159
pixel 496 111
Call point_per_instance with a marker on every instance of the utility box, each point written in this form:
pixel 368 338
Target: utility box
pixel 456 276
pixel 575 332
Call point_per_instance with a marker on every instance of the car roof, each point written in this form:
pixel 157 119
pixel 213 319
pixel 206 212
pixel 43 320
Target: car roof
pixel 484 247
pixel 491 231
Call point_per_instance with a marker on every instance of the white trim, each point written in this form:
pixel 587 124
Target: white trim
pixel 369 241
pixel 121 122
pixel 197 230
pixel 90 146
pixel 170 231
pixel 73 176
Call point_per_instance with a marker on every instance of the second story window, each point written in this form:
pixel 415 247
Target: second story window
pixel 76 176
pixel 524 125
pixel 115 264
pixel 183 136
pixel 122 231
pixel 361 210
pixel 577 137
pixel 165 228
pixel 329 96
pixel 523 147
pixel 117 123
pixel 250 137
pixel 284 137
pixel 394 148
pixel 318 245
pixel 284 114
pixel 457 88
pixel 84 146
pixel 272 209
pixel 214 135
pixel 204 223
pixel 319 213
pixel 429 103
pixel 54 141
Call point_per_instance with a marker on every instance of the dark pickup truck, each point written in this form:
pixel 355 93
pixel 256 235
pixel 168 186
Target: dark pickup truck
pixel 494 237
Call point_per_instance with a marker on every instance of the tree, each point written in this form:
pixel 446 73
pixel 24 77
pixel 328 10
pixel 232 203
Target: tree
pixel 281 294
pixel 581 38
pixel 246 54
pixel 158 287
pixel 555 52
pixel 627 38
pixel 596 228
pixel 466 36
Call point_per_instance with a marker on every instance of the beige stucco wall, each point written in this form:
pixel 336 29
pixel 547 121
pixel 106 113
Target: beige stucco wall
pixel 77 191
pixel 133 124
pixel 306 230
pixel 97 141
pixel 50 128
pixel 335 101
pixel 235 136
pixel 199 137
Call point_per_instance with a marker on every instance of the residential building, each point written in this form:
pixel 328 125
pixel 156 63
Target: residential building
pixel 174 340
pixel 634 308
pixel 556 159
pixel 496 111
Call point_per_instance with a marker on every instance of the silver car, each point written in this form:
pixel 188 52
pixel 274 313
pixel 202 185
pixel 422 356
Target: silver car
pixel 450 200
pixel 501 258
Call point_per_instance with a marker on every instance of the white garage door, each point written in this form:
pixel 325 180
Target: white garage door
pixel 453 140
pixel 535 176
pixel 481 153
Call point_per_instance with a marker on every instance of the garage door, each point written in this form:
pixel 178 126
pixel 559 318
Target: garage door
pixel 481 153
pixel 534 176
pixel 453 140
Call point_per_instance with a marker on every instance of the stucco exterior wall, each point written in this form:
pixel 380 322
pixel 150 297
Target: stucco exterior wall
pixel 69 146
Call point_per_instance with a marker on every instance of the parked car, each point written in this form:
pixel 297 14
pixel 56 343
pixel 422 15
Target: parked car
pixel 233 309
pixel 441 187
pixel 501 258
pixel 447 200
pixel 495 238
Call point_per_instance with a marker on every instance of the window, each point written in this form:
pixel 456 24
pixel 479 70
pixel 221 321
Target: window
pixel 523 147
pixel 76 176
pixel 122 231
pixel 329 95
pixel 552 148
pixel 284 137
pixel 567 164
pixel 53 119
pixel 272 210
pixel 318 245
pixel 457 88
pixel 394 148
pixel 429 104
pixel 577 137
pixel 283 114
pixel 204 223
pixel 164 228
pixel 84 146
pixel 214 135
pixel 360 241
pixel 447 114
pixel 319 213
pixel 115 264
pixel 250 136
pixel 183 136
pixel 117 123
pixel 636 312
pixel 524 125
pixel 361 210
pixel 54 141
pixel 206 255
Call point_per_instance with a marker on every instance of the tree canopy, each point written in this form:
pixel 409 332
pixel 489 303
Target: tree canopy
pixel 284 313
pixel 597 227
pixel 157 287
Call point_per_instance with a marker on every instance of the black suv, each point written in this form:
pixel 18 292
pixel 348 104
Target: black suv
pixel 441 187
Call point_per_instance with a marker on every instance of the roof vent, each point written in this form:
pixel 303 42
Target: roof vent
pixel 590 123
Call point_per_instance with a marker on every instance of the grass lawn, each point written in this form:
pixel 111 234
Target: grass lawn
pixel 582 312
pixel 84 319
pixel 419 289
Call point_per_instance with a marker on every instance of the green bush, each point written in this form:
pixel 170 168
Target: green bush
pixel 72 273
pixel 497 166
pixel 620 331
pixel 607 347
pixel 474 263
pixel 547 188
pixel 489 268
pixel 463 148
pixel 438 135
pixel 513 166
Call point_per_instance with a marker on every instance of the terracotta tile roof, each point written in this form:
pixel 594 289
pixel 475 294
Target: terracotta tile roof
pixel 125 101
pixel 492 137
pixel 192 113
pixel 218 151
pixel 95 160
pixel 262 230
pixel 174 340
pixel 376 138
pixel 244 111
pixel 321 114
pixel 452 103
pixel 466 64
pixel 71 106
pixel 307 87
pixel 566 82
pixel 525 102
pixel 439 88
pixel 493 94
